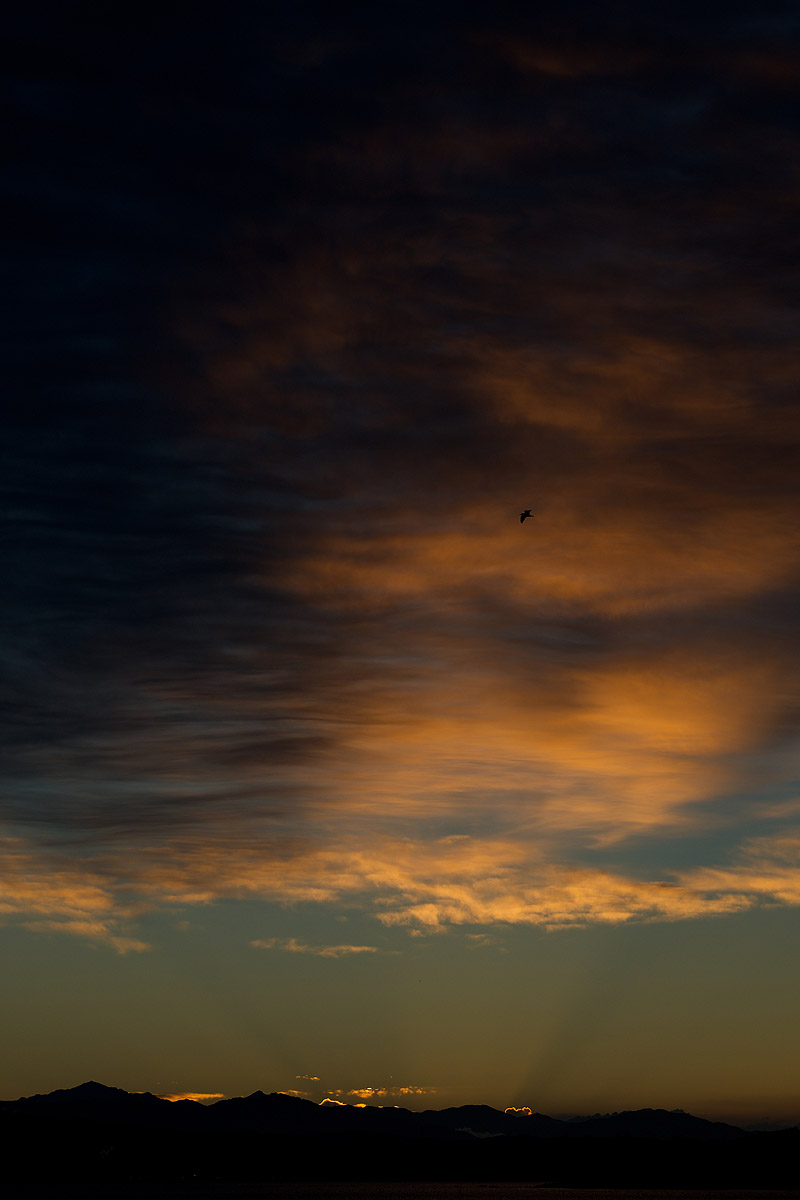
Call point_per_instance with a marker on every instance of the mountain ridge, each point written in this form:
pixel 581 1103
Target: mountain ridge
pixel 281 1112
pixel 104 1135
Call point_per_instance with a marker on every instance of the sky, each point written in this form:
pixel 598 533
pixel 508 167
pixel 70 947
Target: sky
pixel 321 772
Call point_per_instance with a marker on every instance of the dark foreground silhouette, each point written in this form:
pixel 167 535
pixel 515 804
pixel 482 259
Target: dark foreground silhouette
pixel 97 1134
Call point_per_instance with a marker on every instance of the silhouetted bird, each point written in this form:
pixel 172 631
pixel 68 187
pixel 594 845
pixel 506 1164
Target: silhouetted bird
pixel 523 515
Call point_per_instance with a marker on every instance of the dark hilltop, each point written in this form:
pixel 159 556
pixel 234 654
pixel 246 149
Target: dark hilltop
pixel 97 1134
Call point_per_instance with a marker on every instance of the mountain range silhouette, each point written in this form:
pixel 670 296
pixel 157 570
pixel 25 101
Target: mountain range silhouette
pixel 98 1133
pixel 279 1112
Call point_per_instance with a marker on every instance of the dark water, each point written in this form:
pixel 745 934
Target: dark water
pixel 373 1191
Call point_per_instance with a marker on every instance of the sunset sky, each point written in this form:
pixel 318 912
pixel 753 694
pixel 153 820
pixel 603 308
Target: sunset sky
pixel 321 772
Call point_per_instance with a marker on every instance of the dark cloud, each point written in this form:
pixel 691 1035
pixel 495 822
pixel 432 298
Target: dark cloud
pixel 304 312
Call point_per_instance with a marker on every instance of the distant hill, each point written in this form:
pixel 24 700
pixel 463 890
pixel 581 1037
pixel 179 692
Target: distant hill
pixel 109 1105
pixel 98 1133
pixel 482 1121
pixel 652 1123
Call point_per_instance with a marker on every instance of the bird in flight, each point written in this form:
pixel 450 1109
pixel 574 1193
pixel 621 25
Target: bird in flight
pixel 523 515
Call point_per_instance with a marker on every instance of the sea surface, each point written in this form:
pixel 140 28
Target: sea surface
pixel 373 1191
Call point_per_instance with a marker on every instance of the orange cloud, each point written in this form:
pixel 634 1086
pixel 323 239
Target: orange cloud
pixel 29 887
pixel 449 882
pixel 458 881
pixel 631 743
pixel 296 947
pixel 768 869
pixel 631 561
pixel 63 898
pixel 91 931
pixel 365 1094
pixel 369 1093
pixel 200 1097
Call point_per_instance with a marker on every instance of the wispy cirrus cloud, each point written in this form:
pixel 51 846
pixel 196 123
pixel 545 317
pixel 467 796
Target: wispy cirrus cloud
pixel 295 947
pixel 429 887
pixel 366 1094
pixel 55 895
pixel 103 932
